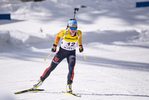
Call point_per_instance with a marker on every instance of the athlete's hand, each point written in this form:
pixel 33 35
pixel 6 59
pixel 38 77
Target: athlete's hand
pixel 54 48
pixel 80 48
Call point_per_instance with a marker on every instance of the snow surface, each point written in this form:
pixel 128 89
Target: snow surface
pixel 115 40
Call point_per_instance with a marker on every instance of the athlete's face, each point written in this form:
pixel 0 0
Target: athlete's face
pixel 72 31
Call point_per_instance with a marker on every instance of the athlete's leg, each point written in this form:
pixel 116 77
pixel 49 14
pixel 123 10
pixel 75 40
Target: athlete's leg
pixel 56 60
pixel 61 54
pixel 71 63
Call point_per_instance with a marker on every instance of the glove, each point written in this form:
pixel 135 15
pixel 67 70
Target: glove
pixel 80 48
pixel 54 48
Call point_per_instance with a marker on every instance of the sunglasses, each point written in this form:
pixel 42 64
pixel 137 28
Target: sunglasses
pixel 73 28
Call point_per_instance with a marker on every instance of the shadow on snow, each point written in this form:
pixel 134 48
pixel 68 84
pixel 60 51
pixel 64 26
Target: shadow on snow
pixel 111 63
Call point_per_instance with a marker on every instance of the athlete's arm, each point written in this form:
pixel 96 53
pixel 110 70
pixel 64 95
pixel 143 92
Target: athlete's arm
pixel 59 35
pixel 80 37
pixel 80 41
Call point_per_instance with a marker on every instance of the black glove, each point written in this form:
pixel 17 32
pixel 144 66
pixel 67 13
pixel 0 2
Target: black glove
pixel 54 48
pixel 80 48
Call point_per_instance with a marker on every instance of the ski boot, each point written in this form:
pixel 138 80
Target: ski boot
pixel 69 88
pixel 35 86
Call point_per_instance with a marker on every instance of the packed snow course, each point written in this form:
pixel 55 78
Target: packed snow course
pixel 115 40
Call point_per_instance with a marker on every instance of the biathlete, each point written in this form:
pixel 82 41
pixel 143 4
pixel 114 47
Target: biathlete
pixel 71 37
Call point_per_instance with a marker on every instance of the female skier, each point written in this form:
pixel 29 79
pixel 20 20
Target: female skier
pixel 71 36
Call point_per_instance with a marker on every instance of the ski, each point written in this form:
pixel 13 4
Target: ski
pixel 73 94
pixel 29 90
pixel 38 90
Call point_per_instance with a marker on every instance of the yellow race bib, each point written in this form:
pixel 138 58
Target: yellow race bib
pixel 69 38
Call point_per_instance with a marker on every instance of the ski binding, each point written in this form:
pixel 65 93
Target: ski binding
pixel 70 93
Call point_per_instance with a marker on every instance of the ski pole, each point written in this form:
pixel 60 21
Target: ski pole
pixel 84 56
pixel 47 56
